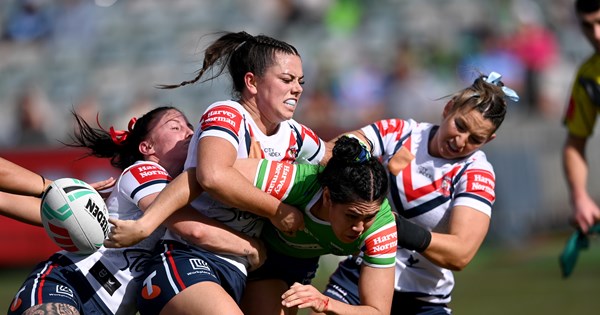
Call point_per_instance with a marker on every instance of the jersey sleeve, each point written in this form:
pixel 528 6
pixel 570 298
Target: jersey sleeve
pixel 143 179
pixel 476 187
pixel 381 241
pixel 584 101
pixel 294 184
pixel 312 148
pixel 223 121
pixel 385 134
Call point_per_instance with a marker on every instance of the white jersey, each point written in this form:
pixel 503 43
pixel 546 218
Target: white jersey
pixel 425 192
pixel 112 272
pixel 229 120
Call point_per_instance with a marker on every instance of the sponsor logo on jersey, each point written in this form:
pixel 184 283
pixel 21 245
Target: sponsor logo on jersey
pixel 432 185
pixel 412 261
pixel 105 277
pixel 199 264
pixel 221 117
pixel 481 183
pixel 146 173
pixel 149 290
pixel 382 242
pixel 64 290
pixel 16 302
pixel 280 176
pixel 272 153
pixel 446 185
pixel 292 151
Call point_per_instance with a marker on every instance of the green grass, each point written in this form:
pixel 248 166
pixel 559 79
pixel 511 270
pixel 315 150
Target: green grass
pixel 529 281
pixel 498 281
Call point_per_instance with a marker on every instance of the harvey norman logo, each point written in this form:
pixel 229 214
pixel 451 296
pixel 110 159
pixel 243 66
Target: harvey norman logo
pixel 279 179
pixel 220 116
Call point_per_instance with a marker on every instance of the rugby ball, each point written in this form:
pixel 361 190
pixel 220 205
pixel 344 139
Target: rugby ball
pixel 74 215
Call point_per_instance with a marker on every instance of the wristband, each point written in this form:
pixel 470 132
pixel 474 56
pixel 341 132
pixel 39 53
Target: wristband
pixel 412 236
pixel 43 186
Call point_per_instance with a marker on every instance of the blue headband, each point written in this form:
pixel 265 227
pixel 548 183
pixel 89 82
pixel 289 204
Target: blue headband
pixel 494 78
pixel 364 154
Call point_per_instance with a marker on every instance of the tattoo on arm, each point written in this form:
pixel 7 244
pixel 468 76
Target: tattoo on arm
pixel 52 309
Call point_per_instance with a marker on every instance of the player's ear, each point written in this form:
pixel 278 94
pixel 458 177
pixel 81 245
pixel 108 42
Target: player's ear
pixel 146 148
pixel 250 82
pixel 447 109
pixel 492 137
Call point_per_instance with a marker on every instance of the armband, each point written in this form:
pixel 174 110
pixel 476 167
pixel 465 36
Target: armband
pixel 412 236
pixel 43 186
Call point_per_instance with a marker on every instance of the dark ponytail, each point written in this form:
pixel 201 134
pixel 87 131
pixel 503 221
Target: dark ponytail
pixel 122 147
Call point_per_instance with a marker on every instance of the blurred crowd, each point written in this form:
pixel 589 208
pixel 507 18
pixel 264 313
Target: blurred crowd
pixel 363 60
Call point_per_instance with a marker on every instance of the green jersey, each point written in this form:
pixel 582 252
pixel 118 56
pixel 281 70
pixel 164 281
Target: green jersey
pixel 297 185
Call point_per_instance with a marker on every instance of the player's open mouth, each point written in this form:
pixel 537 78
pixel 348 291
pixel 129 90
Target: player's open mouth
pixel 291 102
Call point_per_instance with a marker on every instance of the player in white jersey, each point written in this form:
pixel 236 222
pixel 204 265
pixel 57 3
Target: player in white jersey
pixel 267 79
pixel 105 282
pixel 442 189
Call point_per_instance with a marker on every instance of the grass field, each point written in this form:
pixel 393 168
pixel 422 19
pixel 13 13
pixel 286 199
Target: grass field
pixel 498 281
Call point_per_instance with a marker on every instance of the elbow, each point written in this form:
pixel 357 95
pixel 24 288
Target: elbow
pixel 194 235
pixel 208 179
pixel 458 263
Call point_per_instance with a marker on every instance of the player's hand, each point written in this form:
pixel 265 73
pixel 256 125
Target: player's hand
pixel 288 219
pixel 258 256
pixel 103 185
pixel 305 296
pixel 125 233
pixel 585 213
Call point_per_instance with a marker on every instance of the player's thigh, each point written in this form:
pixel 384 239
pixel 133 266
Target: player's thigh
pixel 264 297
pixel 202 298
pixel 52 309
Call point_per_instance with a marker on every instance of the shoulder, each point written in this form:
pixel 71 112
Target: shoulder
pixel 389 126
pixel 303 130
pixel 143 172
pixel 590 67
pixel 223 114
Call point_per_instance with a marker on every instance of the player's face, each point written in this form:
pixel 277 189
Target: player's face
pixel 590 26
pixel 279 89
pixel 350 221
pixel 170 138
pixel 461 133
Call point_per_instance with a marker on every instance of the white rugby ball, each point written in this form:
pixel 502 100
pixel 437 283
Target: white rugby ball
pixel 74 215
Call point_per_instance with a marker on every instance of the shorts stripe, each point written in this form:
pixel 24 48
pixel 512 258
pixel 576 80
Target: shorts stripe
pixel 172 271
pixel 38 283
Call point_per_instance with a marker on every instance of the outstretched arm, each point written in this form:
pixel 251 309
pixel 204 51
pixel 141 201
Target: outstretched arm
pixel 585 210
pixel 19 180
pixel 21 208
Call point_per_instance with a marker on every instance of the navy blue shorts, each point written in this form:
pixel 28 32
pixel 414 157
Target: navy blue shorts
pixel 57 280
pixel 286 268
pixel 343 286
pixel 176 266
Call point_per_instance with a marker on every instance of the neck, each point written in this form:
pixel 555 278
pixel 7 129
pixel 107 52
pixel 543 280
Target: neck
pixel 319 210
pixel 267 127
